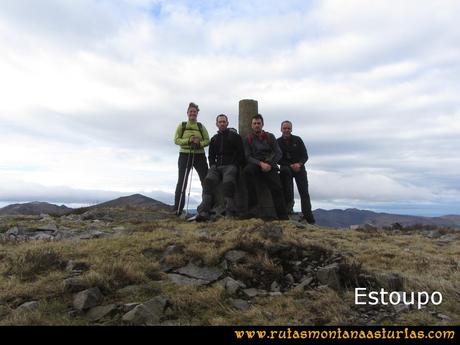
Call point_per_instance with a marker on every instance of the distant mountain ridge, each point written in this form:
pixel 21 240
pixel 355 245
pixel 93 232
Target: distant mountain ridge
pixel 330 218
pixel 35 208
pixel 344 218
pixel 135 200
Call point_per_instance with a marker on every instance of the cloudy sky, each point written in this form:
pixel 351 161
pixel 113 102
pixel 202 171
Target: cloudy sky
pixel 92 91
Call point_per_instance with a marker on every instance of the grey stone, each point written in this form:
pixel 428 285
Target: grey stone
pixel 14 231
pixel 289 278
pixel 391 281
pixel 139 316
pixel 272 231
pixel 73 285
pixel 297 224
pixel 42 237
pixel 209 274
pixel 183 280
pixel 129 306
pixel 148 312
pixel 304 284
pixel 329 275
pixel 98 313
pixel 239 304
pixel 448 237
pixel 434 234
pixel 251 293
pixel 275 287
pixel 235 256
pixel 28 306
pixel 87 299
pixel 443 317
pixel 231 285
pixel 49 228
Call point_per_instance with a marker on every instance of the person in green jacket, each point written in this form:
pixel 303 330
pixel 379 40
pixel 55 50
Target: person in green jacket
pixel 192 137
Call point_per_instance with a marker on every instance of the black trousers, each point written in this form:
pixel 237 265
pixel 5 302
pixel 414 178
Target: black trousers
pixel 301 180
pixel 185 165
pixel 252 173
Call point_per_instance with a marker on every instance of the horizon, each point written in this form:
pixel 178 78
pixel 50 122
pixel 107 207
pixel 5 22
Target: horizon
pixel 296 207
pixel 93 91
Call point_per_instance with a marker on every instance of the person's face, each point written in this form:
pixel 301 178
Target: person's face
pixel 192 114
pixel 286 129
pixel 222 123
pixel 257 125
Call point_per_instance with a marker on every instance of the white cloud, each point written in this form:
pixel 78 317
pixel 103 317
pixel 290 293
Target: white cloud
pixel 94 103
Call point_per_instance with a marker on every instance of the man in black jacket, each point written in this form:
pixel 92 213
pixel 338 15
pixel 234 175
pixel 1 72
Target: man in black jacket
pixel 293 166
pixel 226 155
pixel 262 155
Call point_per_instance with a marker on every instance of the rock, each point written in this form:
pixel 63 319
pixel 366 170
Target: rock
pixel 231 285
pixel 87 299
pixel 209 274
pixel 14 231
pixel 129 306
pixel 137 289
pixel 443 317
pixel 354 227
pixel 329 275
pixel 93 234
pixel 74 285
pixel 148 312
pixel 251 293
pixel 448 238
pixel 49 228
pixel 289 278
pixel 272 232
pixel 275 287
pixel 434 234
pixel 235 256
pixel 368 227
pixel 77 266
pixel 4 310
pixel 297 224
pixel 183 280
pixel 98 313
pixel 304 284
pixel 239 304
pixel 42 237
pixel 28 306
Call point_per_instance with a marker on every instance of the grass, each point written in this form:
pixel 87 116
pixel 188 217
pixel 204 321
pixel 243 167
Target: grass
pixel 36 271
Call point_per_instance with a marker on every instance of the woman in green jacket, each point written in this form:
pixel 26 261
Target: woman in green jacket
pixel 192 137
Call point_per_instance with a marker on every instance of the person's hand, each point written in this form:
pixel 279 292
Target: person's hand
pixel 265 167
pixel 296 167
pixel 194 142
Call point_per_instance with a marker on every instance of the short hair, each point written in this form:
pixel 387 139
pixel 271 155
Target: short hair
pixel 193 105
pixel 217 117
pixel 286 121
pixel 258 117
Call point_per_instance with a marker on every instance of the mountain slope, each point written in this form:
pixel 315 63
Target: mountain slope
pixel 345 218
pixel 35 208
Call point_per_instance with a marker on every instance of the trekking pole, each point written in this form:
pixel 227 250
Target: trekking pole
pixel 184 187
pixel 190 187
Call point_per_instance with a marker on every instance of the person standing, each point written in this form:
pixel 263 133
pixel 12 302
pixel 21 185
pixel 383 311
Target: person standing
pixel 262 155
pixel 292 165
pixel 226 155
pixel 192 137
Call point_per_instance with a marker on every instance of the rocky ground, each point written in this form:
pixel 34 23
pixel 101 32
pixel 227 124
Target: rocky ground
pixel 127 265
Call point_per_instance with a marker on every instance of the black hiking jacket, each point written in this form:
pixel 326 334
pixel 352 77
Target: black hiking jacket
pixel 294 151
pixel 226 148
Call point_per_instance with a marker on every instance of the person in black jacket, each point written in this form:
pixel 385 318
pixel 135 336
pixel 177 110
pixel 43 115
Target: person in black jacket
pixel 262 155
pixel 226 155
pixel 292 165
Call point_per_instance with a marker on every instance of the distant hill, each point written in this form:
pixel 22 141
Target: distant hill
pixel 35 208
pixel 344 218
pixel 135 200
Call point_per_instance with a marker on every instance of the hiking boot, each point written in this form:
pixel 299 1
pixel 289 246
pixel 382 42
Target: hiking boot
pixel 310 219
pixel 202 217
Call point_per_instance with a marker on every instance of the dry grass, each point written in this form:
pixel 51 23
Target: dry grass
pixel 36 270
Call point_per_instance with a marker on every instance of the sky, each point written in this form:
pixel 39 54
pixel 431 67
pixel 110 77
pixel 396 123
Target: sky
pixel 93 90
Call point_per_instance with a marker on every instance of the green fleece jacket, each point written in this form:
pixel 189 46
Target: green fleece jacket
pixel 191 129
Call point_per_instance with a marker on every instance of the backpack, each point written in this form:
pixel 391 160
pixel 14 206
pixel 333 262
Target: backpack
pixel 265 135
pixel 200 127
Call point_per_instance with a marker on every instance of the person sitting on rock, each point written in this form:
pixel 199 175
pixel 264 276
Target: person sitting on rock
pixel 262 155
pixel 292 165
pixel 226 155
